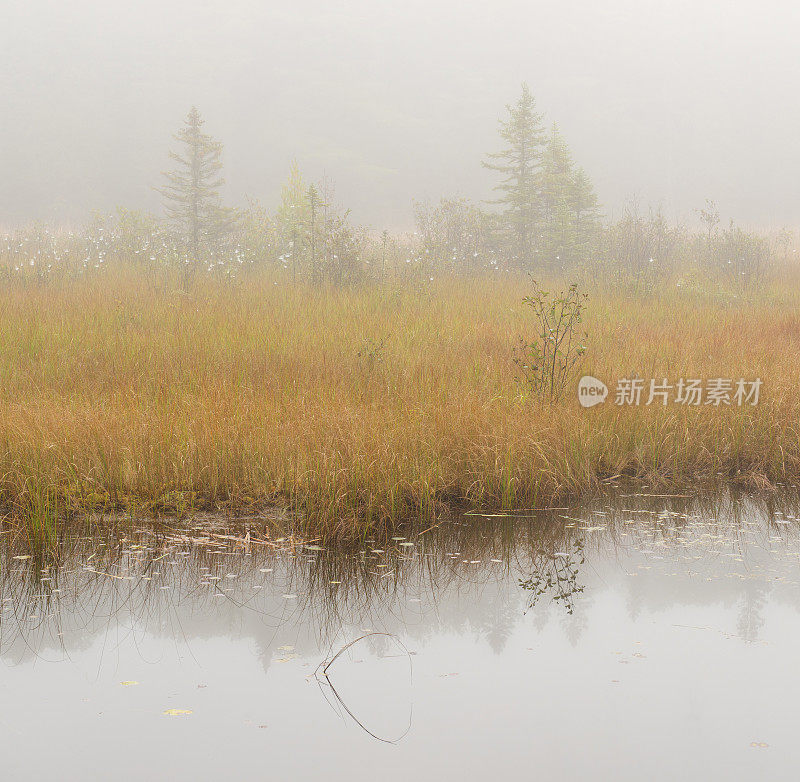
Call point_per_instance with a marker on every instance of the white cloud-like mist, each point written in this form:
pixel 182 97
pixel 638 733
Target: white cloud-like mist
pixel 675 101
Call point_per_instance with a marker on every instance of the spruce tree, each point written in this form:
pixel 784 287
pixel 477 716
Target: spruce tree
pixel 586 209
pixel 191 194
pixel 519 164
pixel 558 216
pixel 569 207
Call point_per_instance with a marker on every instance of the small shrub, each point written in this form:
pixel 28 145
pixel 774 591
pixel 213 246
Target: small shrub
pixel 545 365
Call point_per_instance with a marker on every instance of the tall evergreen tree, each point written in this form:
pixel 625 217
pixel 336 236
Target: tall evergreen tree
pixel 569 206
pixel 586 208
pixel 558 217
pixel 191 194
pixel 519 165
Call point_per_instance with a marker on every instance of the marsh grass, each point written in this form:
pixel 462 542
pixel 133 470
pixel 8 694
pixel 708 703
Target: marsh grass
pixel 118 393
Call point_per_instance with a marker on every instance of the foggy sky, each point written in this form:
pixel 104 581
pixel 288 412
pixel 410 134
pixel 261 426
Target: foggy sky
pixel 675 101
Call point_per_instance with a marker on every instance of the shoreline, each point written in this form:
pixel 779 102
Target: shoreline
pixel 275 523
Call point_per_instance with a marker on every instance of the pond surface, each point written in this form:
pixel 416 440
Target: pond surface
pixel 650 639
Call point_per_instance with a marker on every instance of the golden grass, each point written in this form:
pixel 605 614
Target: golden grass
pixel 116 391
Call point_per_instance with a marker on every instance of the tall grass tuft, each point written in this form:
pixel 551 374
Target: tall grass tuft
pixel 358 408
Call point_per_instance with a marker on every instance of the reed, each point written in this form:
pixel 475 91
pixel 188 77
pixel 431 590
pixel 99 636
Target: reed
pixel 362 407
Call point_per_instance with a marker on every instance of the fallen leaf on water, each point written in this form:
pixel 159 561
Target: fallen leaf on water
pixel 758 744
pixel 128 684
pixel 177 712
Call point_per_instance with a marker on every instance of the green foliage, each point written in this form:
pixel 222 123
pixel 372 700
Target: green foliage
pixel 370 354
pixel 556 576
pixel 640 251
pixel 258 234
pixel 741 258
pixel 550 215
pixel 549 220
pixel 316 240
pixel 191 193
pixel 709 216
pixel 292 221
pixel 519 164
pixel 455 233
pixel 314 203
pixel 345 246
pixel 569 208
pixel 586 215
pixel 545 365
pixel 36 505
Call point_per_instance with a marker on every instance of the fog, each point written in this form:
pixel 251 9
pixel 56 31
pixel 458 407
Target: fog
pixel 675 101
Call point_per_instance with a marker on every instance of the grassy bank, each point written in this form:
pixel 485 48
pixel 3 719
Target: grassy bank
pixel 368 405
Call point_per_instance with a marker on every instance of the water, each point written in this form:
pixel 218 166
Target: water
pixel 650 639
